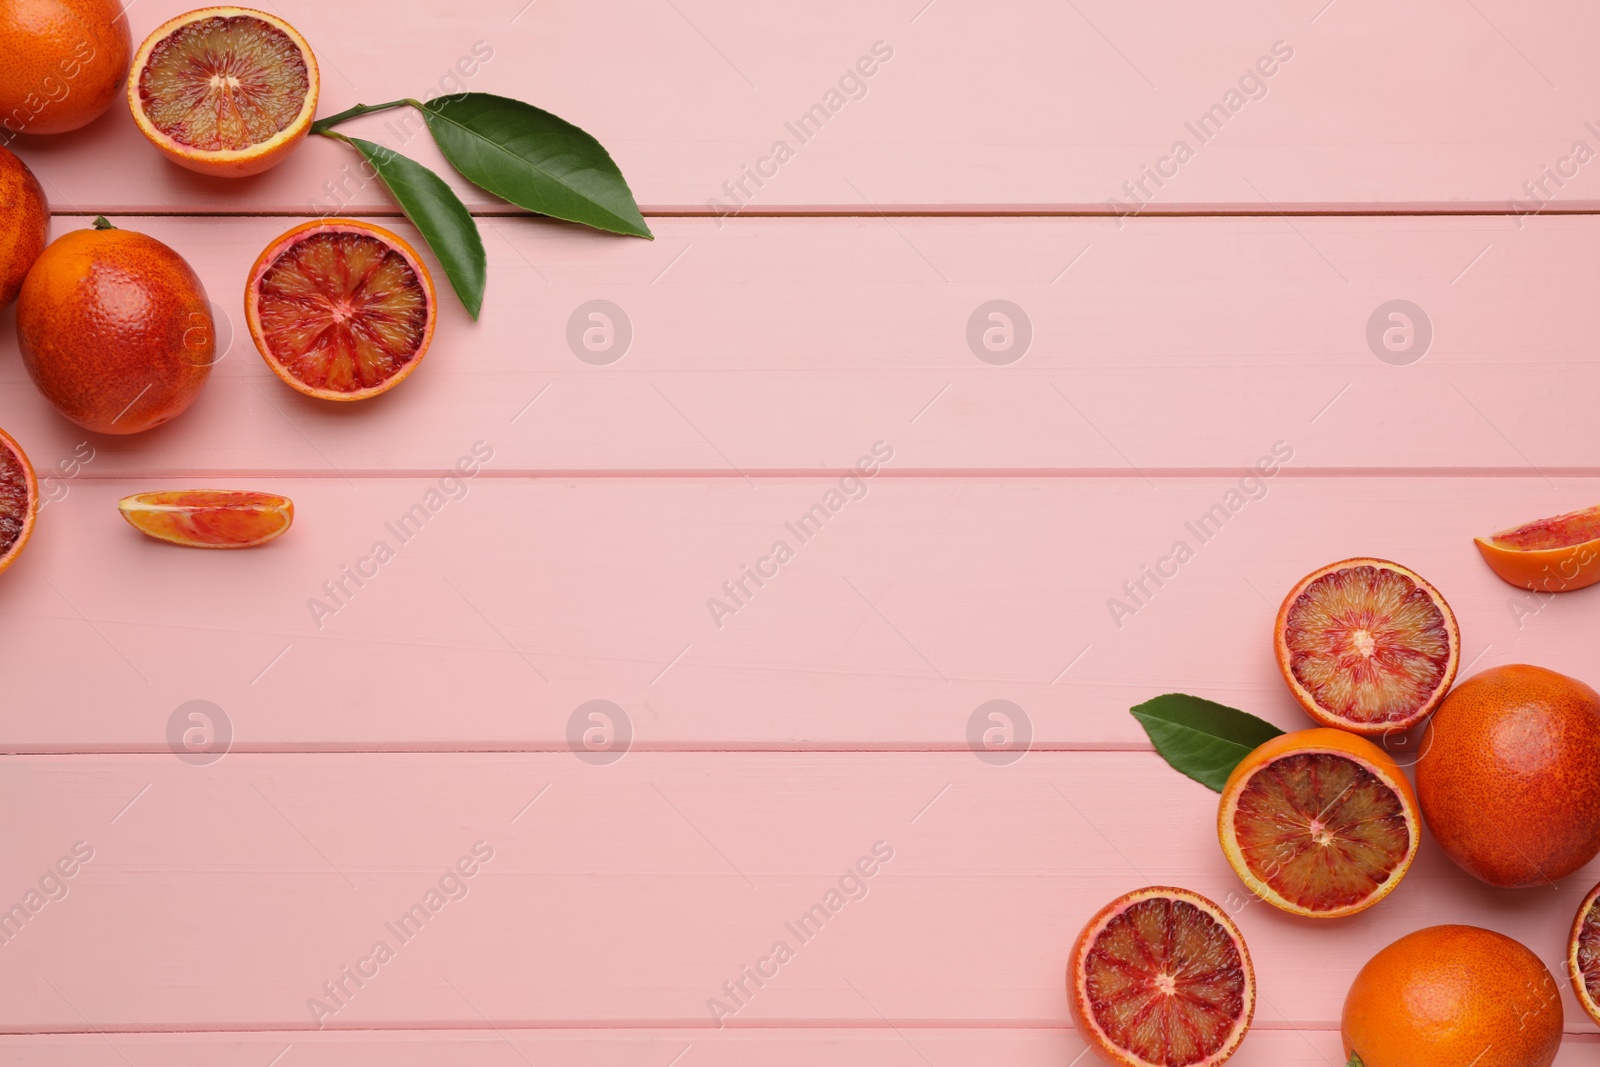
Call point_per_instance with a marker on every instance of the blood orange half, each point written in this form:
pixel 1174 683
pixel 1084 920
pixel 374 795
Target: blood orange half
pixel 209 518
pixel 340 309
pixel 1583 954
pixel 1161 978
pixel 1319 822
pixel 224 90
pixel 1551 555
pixel 1367 645
pixel 19 500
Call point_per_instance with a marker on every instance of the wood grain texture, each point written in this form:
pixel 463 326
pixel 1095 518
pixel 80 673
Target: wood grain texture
pixel 626 895
pixel 1009 104
pixel 509 605
pixel 786 344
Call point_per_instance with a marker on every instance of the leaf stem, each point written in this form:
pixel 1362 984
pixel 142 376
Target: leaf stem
pixel 103 223
pixel 323 125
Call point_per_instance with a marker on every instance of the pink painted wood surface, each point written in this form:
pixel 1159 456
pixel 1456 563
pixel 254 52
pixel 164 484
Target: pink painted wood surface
pixel 374 744
pixel 626 895
pixel 849 1047
pixel 788 344
pixel 1007 104
pixel 519 600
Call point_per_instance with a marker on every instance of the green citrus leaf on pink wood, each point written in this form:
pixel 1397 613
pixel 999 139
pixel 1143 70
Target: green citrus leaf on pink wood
pixel 1201 738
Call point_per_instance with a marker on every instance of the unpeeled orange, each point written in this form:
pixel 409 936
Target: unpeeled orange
pixel 62 62
pixel 227 91
pixel 115 329
pixel 27 223
pixel 1453 996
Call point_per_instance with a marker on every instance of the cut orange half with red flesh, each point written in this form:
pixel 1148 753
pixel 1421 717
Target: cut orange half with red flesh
pixel 1583 954
pixel 19 500
pixel 227 91
pixel 1160 978
pixel 209 518
pixel 341 309
pixel 1553 555
pixel 1367 645
pixel 1319 823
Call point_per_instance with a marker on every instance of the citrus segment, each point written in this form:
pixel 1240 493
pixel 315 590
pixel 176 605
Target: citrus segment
pixel 19 499
pixel 1583 954
pixel 1551 555
pixel 1367 645
pixel 340 309
pixel 1161 978
pixel 209 518
pixel 224 90
pixel 1319 823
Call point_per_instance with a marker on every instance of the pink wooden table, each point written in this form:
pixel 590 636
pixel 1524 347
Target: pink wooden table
pixel 1184 318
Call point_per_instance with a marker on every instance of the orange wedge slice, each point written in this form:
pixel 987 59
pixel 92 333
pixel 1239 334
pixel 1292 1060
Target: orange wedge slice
pixel 1553 555
pixel 209 518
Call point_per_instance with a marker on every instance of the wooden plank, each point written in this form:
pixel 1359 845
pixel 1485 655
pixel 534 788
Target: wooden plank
pixel 516 601
pixel 847 1047
pixel 783 345
pixel 1009 104
pixel 627 895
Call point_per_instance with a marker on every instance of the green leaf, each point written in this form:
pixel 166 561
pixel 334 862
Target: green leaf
pixel 1202 739
pixel 438 214
pixel 533 159
pixel 1355 1061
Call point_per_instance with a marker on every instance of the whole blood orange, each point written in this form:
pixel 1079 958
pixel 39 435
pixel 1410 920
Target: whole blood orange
pixel 1367 645
pixel 1319 822
pixel 27 223
pixel 209 518
pixel 340 309
pixel 1450 996
pixel 115 329
pixel 1551 555
pixel 1161 977
pixel 224 90
pixel 1509 778
pixel 19 499
pixel 61 62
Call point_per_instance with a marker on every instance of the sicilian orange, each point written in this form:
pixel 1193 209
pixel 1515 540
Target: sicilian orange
pixel 115 329
pixel 1508 779
pixel 1367 645
pixel 209 518
pixel 63 61
pixel 1319 823
pixel 1551 555
pixel 19 499
pixel 340 309
pixel 27 228
pixel 1453 996
pixel 228 91
pixel 1161 977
